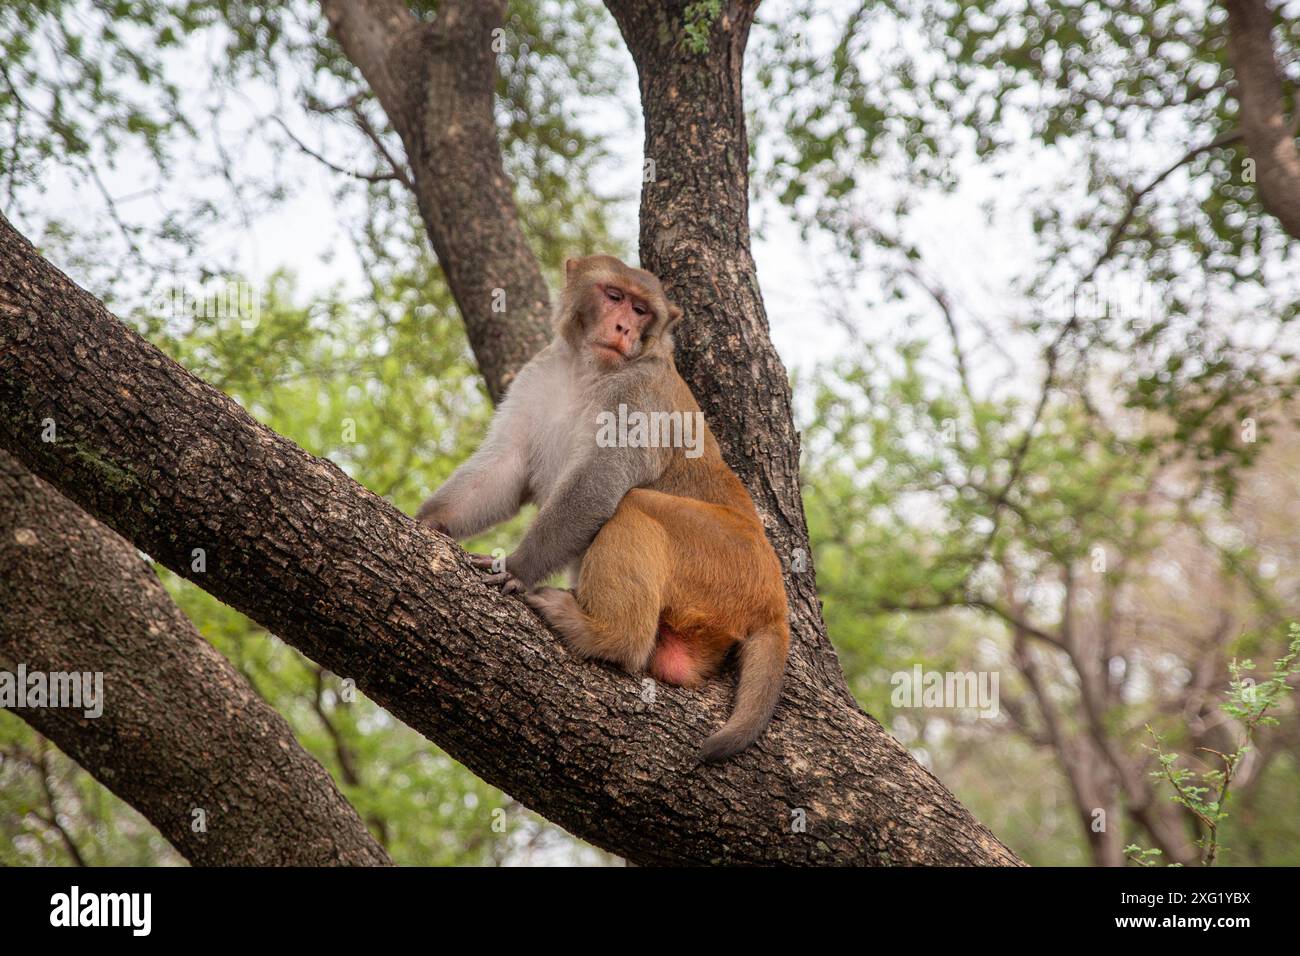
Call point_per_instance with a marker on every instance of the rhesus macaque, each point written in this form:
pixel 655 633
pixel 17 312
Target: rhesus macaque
pixel 673 567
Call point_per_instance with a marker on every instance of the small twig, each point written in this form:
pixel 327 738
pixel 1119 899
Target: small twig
pixel 364 124
pixel 316 106
pixel 52 820
pixel 375 177
pixel 949 603
pixel 1136 197
pixel 342 752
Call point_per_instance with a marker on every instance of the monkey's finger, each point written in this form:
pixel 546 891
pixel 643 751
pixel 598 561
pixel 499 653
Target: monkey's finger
pixel 508 583
pixel 481 560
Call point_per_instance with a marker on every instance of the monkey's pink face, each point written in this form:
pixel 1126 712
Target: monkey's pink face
pixel 621 320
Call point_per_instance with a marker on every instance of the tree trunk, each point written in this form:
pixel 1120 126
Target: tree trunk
pixel 436 81
pixel 1270 139
pixel 173 464
pixel 181 730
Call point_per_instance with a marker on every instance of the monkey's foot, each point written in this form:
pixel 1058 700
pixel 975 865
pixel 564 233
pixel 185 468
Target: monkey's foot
pixel 551 603
pixel 559 608
pixel 580 634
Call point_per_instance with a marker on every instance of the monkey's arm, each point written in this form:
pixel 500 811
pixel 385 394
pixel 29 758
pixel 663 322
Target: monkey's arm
pixel 584 500
pixel 484 491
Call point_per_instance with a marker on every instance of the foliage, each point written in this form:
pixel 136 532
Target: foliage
pixel 92 90
pixel 1206 793
pixel 1088 513
pixel 1065 113
pixel 700 17
pixel 1101 554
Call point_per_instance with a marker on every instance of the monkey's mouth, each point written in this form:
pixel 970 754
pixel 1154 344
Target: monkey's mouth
pixel 609 351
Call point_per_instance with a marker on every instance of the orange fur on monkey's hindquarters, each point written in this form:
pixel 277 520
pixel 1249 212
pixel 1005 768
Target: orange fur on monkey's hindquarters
pixel 674 580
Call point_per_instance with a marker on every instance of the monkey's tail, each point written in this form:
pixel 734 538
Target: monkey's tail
pixel 762 670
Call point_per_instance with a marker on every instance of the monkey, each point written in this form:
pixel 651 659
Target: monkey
pixel 672 565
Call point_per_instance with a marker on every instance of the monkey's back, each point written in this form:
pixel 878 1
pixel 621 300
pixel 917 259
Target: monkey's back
pixel 706 477
pixel 748 587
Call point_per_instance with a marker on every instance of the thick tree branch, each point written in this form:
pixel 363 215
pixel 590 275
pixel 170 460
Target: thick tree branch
pixel 1270 139
pixel 180 730
pixel 173 464
pixel 436 82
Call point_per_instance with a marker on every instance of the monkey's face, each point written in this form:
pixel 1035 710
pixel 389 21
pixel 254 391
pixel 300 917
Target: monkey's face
pixel 614 313
pixel 621 316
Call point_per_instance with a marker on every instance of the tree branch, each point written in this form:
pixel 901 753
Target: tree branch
pixel 436 82
pixel 394 174
pixel 1270 140
pixel 1137 195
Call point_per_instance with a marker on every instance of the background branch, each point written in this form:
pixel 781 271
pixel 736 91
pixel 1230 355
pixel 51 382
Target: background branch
pixel 181 730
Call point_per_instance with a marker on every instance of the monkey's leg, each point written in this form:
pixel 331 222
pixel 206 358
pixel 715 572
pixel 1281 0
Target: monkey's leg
pixel 585 635
pixel 615 613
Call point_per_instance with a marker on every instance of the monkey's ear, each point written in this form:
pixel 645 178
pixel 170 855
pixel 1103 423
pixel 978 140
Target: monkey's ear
pixel 570 267
pixel 674 317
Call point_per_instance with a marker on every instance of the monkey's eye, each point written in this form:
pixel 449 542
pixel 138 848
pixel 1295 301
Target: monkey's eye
pixel 639 309
pixel 614 295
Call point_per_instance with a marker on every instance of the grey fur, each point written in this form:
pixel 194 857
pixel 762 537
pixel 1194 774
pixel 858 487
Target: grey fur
pixel 541 447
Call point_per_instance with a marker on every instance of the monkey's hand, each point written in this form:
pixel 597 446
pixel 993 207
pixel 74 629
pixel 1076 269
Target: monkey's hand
pixel 508 583
pixel 438 526
pixel 430 516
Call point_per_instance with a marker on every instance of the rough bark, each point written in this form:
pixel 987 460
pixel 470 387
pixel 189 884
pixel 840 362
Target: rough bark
pixel 181 729
pixel 173 464
pixel 1270 139
pixel 436 82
